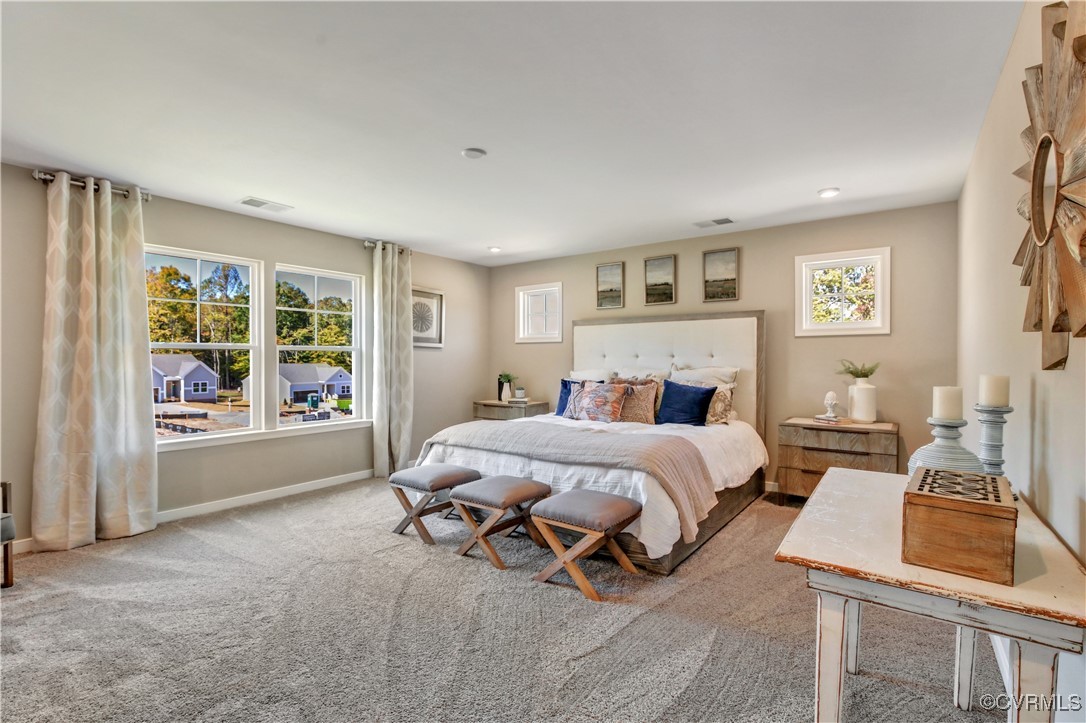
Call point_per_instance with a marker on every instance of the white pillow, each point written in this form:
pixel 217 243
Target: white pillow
pixel 657 375
pixel 590 375
pixel 717 375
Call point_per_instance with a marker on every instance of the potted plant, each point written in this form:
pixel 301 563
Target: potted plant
pixel 503 379
pixel 862 401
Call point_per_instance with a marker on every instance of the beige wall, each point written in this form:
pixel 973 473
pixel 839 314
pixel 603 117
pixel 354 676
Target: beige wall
pixel 447 380
pixel 1046 435
pixel 918 354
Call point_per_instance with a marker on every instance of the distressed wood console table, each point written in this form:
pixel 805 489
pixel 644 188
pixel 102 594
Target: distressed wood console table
pixel 848 536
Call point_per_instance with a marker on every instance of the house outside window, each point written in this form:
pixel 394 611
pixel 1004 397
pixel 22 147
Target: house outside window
pixel 539 313
pixel 345 390
pixel 843 293
pixel 200 309
pixel 318 344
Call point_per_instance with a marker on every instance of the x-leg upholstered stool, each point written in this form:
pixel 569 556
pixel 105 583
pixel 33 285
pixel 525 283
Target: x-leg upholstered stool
pixel 430 480
pixel 497 496
pixel 599 516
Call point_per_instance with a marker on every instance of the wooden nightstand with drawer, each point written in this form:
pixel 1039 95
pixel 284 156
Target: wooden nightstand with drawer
pixel 493 409
pixel 808 448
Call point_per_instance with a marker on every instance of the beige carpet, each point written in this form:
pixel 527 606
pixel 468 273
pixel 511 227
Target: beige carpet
pixel 309 609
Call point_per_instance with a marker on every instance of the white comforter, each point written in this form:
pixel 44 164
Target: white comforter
pixel 732 453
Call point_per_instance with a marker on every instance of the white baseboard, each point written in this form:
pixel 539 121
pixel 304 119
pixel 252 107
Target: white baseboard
pixel 242 500
pixel 1002 648
pixel 771 486
pixel 27 543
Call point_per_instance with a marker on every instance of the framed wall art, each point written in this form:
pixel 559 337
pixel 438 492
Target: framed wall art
pixel 720 275
pixel 660 280
pixel 610 282
pixel 428 317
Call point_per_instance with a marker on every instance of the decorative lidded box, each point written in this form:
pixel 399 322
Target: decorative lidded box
pixel 960 522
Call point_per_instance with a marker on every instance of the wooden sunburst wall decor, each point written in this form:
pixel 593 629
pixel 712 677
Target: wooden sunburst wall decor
pixel 1053 252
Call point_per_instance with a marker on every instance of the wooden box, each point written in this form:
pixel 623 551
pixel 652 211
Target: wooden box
pixel 960 522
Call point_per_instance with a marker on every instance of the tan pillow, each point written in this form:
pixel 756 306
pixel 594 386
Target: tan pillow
pixel 720 409
pixel 644 377
pixel 716 375
pixel 640 404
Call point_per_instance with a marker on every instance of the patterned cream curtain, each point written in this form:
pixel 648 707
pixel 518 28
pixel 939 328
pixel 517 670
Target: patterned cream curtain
pixel 393 378
pixel 95 468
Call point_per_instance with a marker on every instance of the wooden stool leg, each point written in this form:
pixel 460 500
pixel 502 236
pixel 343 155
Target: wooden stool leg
pixel 473 526
pixel 9 565
pixel 413 514
pixel 620 556
pixel 567 559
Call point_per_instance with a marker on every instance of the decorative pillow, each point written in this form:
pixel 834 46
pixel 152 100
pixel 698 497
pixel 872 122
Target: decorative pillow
pixel 598 402
pixel 568 385
pixel 590 375
pixel 716 375
pixel 684 404
pixel 640 404
pixel 720 409
pixel 644 374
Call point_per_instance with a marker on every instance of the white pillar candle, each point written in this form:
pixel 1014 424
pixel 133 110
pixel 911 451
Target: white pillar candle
pixel 995 391
pixel 946 403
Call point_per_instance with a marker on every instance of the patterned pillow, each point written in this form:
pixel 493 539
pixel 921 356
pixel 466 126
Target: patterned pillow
pixel 640 404
pixel 598 402
pixel 629 375
pixel 720 409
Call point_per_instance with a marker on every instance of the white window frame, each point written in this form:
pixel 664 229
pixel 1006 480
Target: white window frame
pixel 345 388
pixel 254 347
pixel 523 294
pixel 805 265
pixel 358 288
pixel 196 385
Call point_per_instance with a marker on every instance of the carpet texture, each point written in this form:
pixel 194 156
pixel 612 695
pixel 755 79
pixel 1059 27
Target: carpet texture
pixel 310 609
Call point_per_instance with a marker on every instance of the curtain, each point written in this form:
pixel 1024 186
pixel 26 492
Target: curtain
pixel 393 379
pixel 95 467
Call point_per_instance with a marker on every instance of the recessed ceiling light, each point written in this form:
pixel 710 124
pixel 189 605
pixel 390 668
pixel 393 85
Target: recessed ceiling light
pixel 828 192
pixel 473 153
pixel 495 249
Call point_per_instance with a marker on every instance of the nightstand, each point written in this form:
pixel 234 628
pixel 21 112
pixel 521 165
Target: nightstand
pixel 808 448
pixel 493 409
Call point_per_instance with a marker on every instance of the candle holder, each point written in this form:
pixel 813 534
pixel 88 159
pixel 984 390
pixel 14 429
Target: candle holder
pixel 991 436
pixel 946 452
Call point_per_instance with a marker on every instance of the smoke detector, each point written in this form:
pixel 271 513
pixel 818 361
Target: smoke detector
pixel 714 222
pixel 265 205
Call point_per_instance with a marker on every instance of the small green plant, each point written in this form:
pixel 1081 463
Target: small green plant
pixel 506 378
pixel 862 371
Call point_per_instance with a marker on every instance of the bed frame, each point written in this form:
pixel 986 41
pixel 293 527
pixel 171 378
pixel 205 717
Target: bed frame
pixel 734 338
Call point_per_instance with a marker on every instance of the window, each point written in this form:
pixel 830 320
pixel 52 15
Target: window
pixel 344 390
pixel 539 313
pixel 843 293
pixel 317 338
pixel 200 311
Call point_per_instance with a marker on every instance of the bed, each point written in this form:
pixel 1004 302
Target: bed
pixel 734 454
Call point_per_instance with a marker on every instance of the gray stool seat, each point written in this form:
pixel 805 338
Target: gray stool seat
pixel 497 496
pixel 599 516
pixel 7 527
pixel 500 492
pixel 599 511
pixel 429 479
pixel 433 477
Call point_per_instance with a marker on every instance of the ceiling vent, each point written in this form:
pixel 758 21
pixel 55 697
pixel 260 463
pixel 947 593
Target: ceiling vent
pixel 265 205
pixel 714 222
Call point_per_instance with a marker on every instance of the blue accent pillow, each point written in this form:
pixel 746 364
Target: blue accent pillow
pixel 683 404
pixel 563 395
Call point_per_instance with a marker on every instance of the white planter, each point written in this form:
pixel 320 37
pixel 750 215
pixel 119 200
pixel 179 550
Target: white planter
pixel 862 401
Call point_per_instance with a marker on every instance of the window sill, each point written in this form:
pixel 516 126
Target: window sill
pixel 216 440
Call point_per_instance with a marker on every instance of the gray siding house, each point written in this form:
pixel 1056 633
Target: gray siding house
pixel 298 381
pixel 182 378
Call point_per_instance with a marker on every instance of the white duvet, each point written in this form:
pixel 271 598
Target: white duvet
pixel 732 452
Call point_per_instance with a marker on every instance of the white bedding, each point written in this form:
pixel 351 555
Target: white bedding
pixel 732 452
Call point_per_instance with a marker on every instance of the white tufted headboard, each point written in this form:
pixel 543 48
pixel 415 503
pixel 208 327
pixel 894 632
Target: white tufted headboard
pixel 735 339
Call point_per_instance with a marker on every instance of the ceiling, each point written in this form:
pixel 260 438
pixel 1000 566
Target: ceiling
pixel 607 124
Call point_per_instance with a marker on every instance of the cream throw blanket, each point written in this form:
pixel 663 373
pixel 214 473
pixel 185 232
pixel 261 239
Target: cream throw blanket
pixel 676 463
